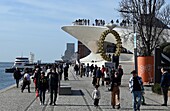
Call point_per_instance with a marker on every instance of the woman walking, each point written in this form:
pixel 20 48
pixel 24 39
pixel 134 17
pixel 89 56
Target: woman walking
pixel 42 87
pixel 115 101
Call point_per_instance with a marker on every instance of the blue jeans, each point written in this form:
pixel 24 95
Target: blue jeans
pixel 137 95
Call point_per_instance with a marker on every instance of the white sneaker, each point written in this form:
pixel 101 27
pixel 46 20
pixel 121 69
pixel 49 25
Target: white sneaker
pixel 40 103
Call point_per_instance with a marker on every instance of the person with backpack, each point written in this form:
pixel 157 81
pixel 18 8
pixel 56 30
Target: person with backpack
pixel 137 89
pixel 165 83
pixel 96 96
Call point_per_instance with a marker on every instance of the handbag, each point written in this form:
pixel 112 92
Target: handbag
pixel 37 94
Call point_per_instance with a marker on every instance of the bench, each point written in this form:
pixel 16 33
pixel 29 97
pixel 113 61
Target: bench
pixel 65 89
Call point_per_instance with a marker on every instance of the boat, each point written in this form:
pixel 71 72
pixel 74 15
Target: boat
pixel 21 63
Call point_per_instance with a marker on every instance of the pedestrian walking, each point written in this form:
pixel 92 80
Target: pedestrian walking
pixel 26 81
pixel 76 69
pixel 137 89
pixel 66 66
pixel 120 73
pixel 98 76
pixel 42 87
pixel 165 83
pixel 107 77
pixel 103 69
pixel 115 100
pixel 87 70
pixel 96 96
pixel 53 85
pixel 17 76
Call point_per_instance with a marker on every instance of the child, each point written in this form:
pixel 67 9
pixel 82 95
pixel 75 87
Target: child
pixel 96 96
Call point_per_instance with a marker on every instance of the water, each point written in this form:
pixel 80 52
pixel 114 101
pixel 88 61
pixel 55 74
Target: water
pixel 6 79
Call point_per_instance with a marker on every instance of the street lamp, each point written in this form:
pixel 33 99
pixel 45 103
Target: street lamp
pixel 134 36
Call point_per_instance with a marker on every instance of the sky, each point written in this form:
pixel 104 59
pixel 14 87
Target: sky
pixel 35 25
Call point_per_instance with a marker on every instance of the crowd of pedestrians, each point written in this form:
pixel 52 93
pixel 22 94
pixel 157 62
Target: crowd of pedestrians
pixel 48 79
pixel 45 78
pixel 112 78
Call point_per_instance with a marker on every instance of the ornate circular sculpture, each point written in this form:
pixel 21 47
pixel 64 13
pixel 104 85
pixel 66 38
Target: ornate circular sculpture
pixel 101 44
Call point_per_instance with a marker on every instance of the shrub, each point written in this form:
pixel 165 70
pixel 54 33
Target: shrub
pixel 156 88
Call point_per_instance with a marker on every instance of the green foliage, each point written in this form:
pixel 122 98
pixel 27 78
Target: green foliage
pixel 156 88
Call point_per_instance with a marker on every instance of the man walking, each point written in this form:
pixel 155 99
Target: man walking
pixel 165 83
pixel 53 84
pixel 136 88
pixel 17 76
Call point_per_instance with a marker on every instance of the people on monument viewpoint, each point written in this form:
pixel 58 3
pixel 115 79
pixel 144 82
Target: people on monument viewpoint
pixel 165 83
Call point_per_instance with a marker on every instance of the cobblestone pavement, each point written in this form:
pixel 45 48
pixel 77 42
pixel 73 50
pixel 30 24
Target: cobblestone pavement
pixel 13 100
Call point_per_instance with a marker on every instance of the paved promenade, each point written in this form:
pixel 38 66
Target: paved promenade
pixel 11 99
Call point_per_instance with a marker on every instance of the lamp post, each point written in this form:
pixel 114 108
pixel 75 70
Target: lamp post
pixel 134 36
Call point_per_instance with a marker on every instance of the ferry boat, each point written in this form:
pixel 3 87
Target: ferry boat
pixel 21 63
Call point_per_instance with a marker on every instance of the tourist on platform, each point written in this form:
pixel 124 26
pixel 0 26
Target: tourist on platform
pixel 76 69
pixel 91 69
pixel 53 85
pixel 26 81
pixel 42 87
pixel 165 83
pixel 81 70
pixel 96 96
pixel 36 77
pixel 102 72
pixel 112 72
pixel 87 70
pixel 137 89
pixel 115 100
pixel 120 73
pixel 107 76
pixel 98 76
pixel 60 70
pixel 94 81
pixel 17 76
pixel 66 66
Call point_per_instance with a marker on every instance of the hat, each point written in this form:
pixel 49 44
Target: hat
pixel 133 72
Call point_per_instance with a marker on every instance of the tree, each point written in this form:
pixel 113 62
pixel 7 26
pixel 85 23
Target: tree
pixel 150 18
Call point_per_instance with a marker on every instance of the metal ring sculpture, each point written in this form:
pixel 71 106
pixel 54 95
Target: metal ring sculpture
pixel 101 44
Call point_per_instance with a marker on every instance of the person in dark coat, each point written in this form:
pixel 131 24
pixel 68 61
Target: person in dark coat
pixel 17 76
pixel 120 73
pixel 165 83
pixel 42 87
pixel 66 66
pixel 98 76
pixel 53 85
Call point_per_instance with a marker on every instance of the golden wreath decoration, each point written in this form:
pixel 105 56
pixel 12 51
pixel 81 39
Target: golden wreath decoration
pixel 101 44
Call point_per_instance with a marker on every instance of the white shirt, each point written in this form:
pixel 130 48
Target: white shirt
pixel 27 76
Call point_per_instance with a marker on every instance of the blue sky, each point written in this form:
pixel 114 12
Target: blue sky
pixel 35 25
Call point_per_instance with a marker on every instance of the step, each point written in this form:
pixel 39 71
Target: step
pixel 65 89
